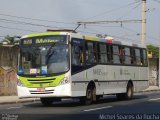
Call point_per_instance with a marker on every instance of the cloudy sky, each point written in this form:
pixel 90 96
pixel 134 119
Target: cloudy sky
pixel 20 17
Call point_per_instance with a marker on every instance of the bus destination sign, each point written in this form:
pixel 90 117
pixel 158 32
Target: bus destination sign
pixel 43 40
pixel 37 41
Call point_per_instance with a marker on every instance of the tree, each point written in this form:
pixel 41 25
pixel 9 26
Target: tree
pixel 154 50
pixel 10 40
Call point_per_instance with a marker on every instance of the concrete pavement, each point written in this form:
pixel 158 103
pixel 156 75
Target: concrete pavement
pixel 15 99
pixel 152 88
pixel 144 106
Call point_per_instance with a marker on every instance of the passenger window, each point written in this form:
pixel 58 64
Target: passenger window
pixel 77 53
pixel 127 55
pixel 144 57
pixel 116 55
pixel 102 53
pixel 138 56
pixel 121 54
pixel 91 52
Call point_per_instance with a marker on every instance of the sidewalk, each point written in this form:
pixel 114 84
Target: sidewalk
pixel 15 99
pixel 152 88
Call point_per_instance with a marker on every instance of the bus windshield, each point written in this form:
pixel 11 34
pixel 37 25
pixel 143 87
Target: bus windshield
pixel 42 59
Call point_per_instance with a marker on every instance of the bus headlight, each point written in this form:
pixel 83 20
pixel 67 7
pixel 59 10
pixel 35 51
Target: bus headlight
pixel 65 80
pixel 19 83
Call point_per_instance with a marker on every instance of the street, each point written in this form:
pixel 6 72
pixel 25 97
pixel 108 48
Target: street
pixel 142 106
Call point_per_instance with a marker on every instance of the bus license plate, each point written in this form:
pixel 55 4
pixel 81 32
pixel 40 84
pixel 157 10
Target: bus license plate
pixel 40 89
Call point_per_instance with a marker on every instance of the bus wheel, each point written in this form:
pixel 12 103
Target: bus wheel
pixel 129 93
pixel 46 101
pixel 90 96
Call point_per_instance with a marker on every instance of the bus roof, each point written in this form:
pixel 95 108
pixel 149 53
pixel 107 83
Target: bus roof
pixel 86 37
pixel 44 33
pixel 111 40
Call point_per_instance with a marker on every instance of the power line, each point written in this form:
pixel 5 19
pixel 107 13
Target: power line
pixel 128 12
pixel 125 38
pixel 157 1
pixel 148 43
pixel 131 30
pixel 24 23
pixel 119 37
pixel 21 17
pixel 17 29
pixel 109 11
pixel 153 38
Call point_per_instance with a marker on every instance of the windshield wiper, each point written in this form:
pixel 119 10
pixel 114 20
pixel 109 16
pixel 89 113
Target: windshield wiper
pixel 50 49
pixel 50 52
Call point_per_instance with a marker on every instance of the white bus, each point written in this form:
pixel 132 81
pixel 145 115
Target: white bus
pixel 64 64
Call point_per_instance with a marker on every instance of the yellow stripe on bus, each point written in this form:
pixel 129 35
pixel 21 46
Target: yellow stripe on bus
pixel 91 38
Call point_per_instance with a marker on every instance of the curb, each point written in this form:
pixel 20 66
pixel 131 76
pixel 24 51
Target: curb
pixel 19 101
pixel 151 91
pixel 145 91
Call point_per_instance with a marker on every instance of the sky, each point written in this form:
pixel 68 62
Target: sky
pixel 21 17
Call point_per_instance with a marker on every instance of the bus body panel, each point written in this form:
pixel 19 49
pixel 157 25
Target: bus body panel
pixel 58 91
pixel 110 79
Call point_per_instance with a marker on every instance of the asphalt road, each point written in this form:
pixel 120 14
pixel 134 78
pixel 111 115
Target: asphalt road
pixel 142 106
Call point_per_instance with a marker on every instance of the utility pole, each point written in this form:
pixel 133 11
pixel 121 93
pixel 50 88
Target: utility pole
pixel 159 66
pixel 143 34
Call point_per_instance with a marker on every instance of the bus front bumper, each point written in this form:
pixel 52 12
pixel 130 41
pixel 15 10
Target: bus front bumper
pixel 58 91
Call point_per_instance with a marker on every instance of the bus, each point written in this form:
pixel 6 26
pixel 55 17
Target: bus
pixel 61 64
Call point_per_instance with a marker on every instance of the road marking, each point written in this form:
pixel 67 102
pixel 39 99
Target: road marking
pixel 13 108
pixel 154 99
pixel 97 108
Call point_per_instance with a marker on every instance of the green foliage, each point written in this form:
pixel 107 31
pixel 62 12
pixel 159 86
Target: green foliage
pixel 10 40
pixel 154 50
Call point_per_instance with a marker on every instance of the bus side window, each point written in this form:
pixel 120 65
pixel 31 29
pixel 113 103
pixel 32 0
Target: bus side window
pixel 144 57
pixel 116 55
pixel 109 54
pixel 77 55
pixel 133 58
pixel 91 53
pixel 127 55
pixel 138 56
pixel 102 58
pixel 121 54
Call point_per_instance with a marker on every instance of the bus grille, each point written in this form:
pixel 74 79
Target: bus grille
pixel 45 92
pixel 41 81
